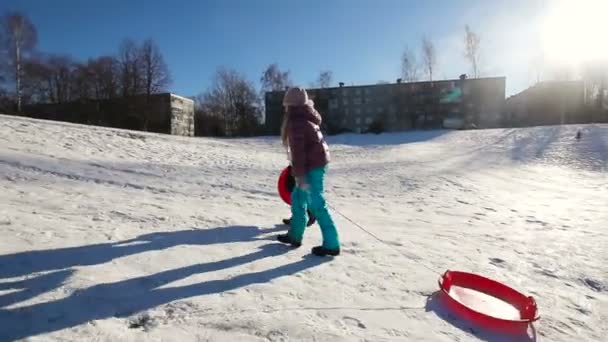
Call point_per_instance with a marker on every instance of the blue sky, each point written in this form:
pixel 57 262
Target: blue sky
pixel 359 40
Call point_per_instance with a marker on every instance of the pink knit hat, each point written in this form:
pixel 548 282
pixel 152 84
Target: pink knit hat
pixel 296 97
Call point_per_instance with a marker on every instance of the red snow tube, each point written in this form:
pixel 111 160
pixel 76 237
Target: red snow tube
pixel 286 184
pixel 487 302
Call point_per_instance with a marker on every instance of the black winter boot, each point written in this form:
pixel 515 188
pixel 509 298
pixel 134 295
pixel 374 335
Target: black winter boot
pixel 322 251
pixel 311 220
pixel 286 239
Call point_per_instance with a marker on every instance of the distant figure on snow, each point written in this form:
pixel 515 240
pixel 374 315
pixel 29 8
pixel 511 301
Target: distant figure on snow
pixel 309 156
pixel 579 135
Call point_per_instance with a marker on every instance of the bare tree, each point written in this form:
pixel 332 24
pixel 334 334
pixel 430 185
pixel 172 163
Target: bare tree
pixel 429 57
pixel 537 65
pixel 233 100
pixel 61 72
pixel 561 72
pixel 273 79
pixel 19 37
pixel 62 67
pixel 131 78
pixel 595 76
pixel 325 79
pixel 53 79
pixel 37 80
pixel 5 102
pixel 155 73
pixel 106 72
pixel 83 82
pixel 471 43
pixel 3 95
pixel 409 65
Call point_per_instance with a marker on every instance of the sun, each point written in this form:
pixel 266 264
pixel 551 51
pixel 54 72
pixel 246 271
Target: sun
pixel 576 31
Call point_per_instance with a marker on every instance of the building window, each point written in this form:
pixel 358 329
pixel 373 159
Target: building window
pixel 357 101
pixel 379 110
pixel 333 104
pixel 366 91
pixel 392 110
pixel 358 111
pixel 345 102
pixel 358 121
pixel 368 100
pixel 368 120
pixel 370 111
pixel 358 91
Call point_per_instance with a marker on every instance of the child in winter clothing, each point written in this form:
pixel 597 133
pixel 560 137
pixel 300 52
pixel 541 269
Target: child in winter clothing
pixel 309 158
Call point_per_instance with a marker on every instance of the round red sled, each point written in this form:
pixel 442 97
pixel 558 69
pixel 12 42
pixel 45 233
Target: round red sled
pixel 487 302
pixel 286 184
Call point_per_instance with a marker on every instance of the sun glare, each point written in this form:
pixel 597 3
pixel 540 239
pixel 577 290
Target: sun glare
pixel 576 31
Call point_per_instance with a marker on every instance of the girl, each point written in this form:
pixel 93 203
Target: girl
pixel 309 154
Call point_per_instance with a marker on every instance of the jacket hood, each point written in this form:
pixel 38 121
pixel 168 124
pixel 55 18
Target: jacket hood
pixel 308 113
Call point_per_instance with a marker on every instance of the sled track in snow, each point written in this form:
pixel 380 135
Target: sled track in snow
pixel 35 169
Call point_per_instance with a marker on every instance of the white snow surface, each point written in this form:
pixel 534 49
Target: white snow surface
pixel 114 235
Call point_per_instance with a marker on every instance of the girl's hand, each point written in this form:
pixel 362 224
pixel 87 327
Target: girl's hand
pixel 302 183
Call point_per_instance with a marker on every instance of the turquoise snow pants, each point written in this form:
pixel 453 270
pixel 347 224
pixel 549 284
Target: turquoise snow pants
pixel 313 200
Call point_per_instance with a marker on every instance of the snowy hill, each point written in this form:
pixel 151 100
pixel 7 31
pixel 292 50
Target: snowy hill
pixel 112 235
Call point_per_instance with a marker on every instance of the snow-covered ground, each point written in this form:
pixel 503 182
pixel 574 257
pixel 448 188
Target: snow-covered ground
pixel 111 235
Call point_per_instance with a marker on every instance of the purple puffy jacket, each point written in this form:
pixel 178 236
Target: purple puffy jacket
pixel 306 143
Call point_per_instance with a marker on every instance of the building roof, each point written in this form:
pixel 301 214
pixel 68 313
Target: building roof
pixel 390 84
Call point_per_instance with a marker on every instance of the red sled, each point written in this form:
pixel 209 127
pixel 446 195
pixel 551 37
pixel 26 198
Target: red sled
pixel 286 184
pixel 487 302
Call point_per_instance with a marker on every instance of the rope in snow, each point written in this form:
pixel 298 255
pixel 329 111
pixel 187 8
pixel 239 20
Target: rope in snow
pixel 211 312
pixel 385 243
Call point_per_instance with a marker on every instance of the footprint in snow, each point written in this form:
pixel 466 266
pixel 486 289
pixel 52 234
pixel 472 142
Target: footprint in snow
pixel 548 273
pixel 354 322
pixel 580 309
pixel 144 321
pixel 595 285
pixel 534 221
pixel 498 262
pixel 275 335
pixel 394 243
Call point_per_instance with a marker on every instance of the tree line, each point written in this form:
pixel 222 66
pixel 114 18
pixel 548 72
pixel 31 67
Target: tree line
pixel 232 105
pixel 32 76
pixel 416 65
